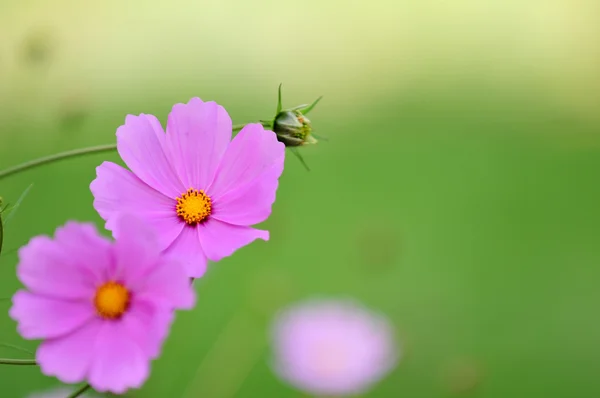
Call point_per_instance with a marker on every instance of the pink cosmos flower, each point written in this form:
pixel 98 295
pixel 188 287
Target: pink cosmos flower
pixel 103 309
pixel 194 185
pixel 332 348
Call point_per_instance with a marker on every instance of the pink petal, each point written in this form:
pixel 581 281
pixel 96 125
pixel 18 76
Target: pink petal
pixel 252 152
pixel 250 203
pixel 140 143
pixel 137 250
pixel 148 325
pixel 42 317
pixel 117 191
pixel 90 252
pixel 188 250
pixel 143 268
pixel 168 285
pixel 69 357
pixel 68 267
pixel 197 136
pixel 220 239
pixel 119 363
pixel 246 182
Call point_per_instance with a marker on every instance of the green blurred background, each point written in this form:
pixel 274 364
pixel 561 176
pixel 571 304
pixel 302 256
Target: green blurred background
pixel 459 192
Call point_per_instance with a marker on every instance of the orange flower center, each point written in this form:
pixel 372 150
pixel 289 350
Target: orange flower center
pixel 194 206
pixel 112 300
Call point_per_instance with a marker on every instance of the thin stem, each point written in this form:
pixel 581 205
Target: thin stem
pixel 80 391
pixel 21 362
pixel 238 127
pixel 58 156
pixel 70 154
pixel 15 347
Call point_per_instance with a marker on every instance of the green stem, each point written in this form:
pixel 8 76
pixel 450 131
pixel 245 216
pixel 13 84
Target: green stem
pixel 10 361
pixel 80 391
pixel 70 154
pixel 53 158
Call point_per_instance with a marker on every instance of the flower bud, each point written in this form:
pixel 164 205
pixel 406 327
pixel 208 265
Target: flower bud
pixel 293 128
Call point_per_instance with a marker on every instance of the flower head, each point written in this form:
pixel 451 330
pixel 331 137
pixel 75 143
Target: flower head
pixel 102 308
pixel 332 348
pixel 291 126
pixel 198 188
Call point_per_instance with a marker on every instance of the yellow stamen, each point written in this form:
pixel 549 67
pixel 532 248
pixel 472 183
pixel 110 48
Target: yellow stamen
pixel 112 300
pixel 194 206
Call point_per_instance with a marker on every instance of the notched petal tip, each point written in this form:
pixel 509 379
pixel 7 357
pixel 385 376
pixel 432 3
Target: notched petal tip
pixel 35 245
pixel 75 229
pixel 198 100
pixel 263 234
pixel 181 106
pixel 14 312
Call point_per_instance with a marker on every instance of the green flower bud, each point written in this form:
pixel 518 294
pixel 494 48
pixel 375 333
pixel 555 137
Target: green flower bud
pixel 293 128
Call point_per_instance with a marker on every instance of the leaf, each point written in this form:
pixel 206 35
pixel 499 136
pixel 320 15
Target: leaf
pixel 10 212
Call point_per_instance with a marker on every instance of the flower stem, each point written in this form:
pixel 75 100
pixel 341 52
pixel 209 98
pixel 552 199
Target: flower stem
pixel 80 391
pixel 70 154
pixel 53 158
pixel 21 362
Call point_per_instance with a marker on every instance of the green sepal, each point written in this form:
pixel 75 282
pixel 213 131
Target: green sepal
pixel 296 152
pixel 279 103
pixel 311 106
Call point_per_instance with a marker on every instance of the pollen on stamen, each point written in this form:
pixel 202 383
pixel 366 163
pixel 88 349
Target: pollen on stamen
pixel 193 206
pixel 111 300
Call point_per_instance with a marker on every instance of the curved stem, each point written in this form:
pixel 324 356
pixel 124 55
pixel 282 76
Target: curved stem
pixel 21 362
pixel 80 391
pixel 53 158
pixel 71 154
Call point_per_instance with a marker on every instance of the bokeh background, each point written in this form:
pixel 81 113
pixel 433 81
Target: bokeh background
pixel 459 191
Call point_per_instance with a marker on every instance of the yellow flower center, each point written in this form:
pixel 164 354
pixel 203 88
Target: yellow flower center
pixel 194 206
pixel 112 300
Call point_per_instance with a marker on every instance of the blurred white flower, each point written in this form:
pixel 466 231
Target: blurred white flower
pixel 333 347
